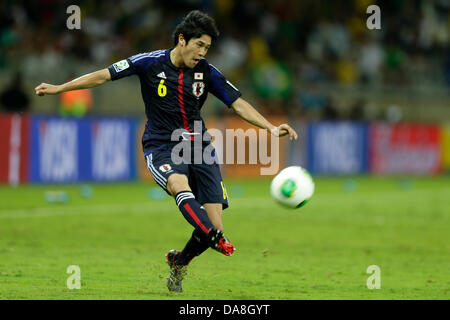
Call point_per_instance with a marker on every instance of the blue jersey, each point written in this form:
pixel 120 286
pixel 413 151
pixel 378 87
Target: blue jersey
pixel 173 96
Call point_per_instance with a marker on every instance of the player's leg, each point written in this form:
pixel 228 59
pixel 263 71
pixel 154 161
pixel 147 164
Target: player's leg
pixel 178 187
pixel 214 211
pixel 192 210
pixel 196 245
pixel 206 233
pixel 211 193
pixel 177 182
pixel 172 178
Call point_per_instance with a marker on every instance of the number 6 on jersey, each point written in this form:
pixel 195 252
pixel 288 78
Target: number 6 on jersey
pixel 162 89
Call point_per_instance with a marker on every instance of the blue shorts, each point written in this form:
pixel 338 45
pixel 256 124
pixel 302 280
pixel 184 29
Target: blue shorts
pixel 204 179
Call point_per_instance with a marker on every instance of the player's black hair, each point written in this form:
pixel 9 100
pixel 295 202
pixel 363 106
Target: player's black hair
pixel 194 25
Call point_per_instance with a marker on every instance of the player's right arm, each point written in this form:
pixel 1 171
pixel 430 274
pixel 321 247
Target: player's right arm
pixel 84 82
pixel 124 68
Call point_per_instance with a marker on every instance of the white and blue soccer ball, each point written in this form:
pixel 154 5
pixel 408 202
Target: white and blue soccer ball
pixel 293 187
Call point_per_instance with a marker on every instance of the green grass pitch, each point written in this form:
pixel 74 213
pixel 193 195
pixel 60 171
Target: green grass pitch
pixel 119 237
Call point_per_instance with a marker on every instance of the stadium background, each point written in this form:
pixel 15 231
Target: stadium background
pixel 291 59
pixel 367 103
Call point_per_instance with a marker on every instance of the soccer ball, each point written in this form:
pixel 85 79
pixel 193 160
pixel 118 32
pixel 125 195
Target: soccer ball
pixel 292 187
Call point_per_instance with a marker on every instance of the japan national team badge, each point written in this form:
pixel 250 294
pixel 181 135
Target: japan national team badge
pixel 165 168
pixel 198 88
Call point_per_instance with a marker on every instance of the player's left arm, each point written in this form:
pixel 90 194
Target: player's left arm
pixel 247 112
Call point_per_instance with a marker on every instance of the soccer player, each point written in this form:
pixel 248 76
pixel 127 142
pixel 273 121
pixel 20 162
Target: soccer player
pixel 174 86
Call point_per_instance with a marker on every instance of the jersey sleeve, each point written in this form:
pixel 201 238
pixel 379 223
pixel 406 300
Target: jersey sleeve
pixel 121 69
pixel 223 89
pixel 134 64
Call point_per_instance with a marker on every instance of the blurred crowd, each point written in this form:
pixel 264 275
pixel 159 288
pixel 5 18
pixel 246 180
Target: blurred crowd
pixel 288 50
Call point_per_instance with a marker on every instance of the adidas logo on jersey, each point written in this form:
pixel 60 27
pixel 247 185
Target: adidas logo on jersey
pixel 162 75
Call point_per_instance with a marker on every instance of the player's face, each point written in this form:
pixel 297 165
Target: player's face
pixel 195 49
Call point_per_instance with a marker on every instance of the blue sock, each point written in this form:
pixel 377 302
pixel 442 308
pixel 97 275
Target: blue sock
pixel 196 245
pixel 193 212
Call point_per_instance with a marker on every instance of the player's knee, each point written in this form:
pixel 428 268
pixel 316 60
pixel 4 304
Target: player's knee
pixel 177 183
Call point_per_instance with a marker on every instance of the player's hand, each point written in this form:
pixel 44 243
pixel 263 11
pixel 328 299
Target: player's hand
pixel 283 130
pixel 45 88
